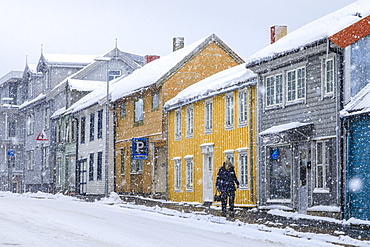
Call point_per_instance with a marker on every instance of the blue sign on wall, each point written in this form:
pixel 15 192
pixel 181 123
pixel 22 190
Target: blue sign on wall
pixel 140 148
pixel 11 152
pixel 275 154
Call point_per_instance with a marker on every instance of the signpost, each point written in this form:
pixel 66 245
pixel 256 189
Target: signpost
pixel 140 148
pixel 42 138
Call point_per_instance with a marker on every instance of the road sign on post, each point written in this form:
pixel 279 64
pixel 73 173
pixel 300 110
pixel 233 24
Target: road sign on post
pixel 42 136
pixel 139 148
pixel 11 152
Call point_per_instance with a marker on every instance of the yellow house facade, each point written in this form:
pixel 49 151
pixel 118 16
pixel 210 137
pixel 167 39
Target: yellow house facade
pixel 210 122
pixel 140 121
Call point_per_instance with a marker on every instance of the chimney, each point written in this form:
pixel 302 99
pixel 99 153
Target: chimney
pixel 277 32
pixel 178 43
pixel 150 58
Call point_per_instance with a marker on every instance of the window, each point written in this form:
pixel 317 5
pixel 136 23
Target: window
pixel 13 92
pixel 296 84
pixel 12 128
pixel 243 108
pixel 100 124
pixel 243 169
pixel 177 176
pixel 328 76
pixel 208 116
pixel 30 124
pixel 46 118
pixel 83 128
pixel 67 136
pixel 45 156
pixel 229 111
pixel 178 124
pixel 137 166
pixel 99 166
pixel 91 167
pixel 11 160
pixel 189 173
pixel 60 138
pixel 323 160
pixel 30 161
pixel 189 121
pixel 122 109
pixel 274 90
pixel 122 161
pixel 113 74
pixel 73 130
pixel 155 100
pixel 139 110
pixel 92 123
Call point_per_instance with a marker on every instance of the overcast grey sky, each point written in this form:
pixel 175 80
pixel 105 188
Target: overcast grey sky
pixel 143 26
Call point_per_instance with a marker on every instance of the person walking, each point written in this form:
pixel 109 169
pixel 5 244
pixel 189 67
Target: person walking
pixel 225 183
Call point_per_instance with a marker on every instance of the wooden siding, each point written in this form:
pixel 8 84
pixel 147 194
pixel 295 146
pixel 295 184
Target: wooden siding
pixel 223 139
pixel 210 60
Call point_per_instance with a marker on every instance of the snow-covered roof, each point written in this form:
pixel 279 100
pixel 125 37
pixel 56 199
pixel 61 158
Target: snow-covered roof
pixel 283 127
pixel 27 103
pixel 84 85
pixel 11 75
pixel 360 103
pixel 216 84
pixel 58 112
pixel 68 58
pixel 153 73
pixel 312 32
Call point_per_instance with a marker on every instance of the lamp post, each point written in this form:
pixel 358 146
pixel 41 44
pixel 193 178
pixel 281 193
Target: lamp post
pixel 106 59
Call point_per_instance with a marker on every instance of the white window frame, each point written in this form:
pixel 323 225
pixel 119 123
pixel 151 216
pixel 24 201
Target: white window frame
pixel 137 166
pixel 274 85
pixel 299 96
pixel 229 111
pixel 46 118
pixel 113 75
pixel 243 107
pixel 189 173
pixel 243 167
pixel 45 156
pixel 139 110
pixel 189 121
pixel 208 108
pixel 177 174
pixel 155 100
pixel 328 79
pixel 30 124
pixel 30 160
pixel 178 124
pixel 322 166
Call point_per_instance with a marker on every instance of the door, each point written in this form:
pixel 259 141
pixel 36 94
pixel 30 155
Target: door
pixel 82 176
pixel 160 171
pixel 208 183
pixel 280 173
pixel 302 185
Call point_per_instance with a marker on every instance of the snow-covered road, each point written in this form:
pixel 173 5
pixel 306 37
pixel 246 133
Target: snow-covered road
pixel 56 220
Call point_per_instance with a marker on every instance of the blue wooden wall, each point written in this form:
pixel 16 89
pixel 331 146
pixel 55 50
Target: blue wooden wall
pixel 358 169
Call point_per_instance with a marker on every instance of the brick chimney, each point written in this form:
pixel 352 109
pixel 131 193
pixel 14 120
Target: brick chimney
pixel 150 58
pixel 277 32
pixel 178 43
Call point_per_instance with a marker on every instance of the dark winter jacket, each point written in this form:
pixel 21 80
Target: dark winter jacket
pixel 226 180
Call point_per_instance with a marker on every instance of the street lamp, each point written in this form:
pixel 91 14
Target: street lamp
pixel 106 59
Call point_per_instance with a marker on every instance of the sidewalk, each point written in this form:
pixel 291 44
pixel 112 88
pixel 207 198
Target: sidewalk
pixel 272 218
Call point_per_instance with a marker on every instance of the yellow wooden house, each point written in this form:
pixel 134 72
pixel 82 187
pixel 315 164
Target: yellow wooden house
pixel 208 123
pixel 140 139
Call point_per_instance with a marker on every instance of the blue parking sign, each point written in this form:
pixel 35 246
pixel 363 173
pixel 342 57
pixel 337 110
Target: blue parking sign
pixel 139 148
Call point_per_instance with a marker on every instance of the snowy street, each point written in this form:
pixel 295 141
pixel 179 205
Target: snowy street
pixel 55 220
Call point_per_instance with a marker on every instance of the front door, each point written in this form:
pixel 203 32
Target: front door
pixel 82 176
pixel 208 177
pixel 302 185
pixel 160 170
pixel 280 173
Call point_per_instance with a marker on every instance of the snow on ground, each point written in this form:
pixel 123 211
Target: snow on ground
pixel 40 219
